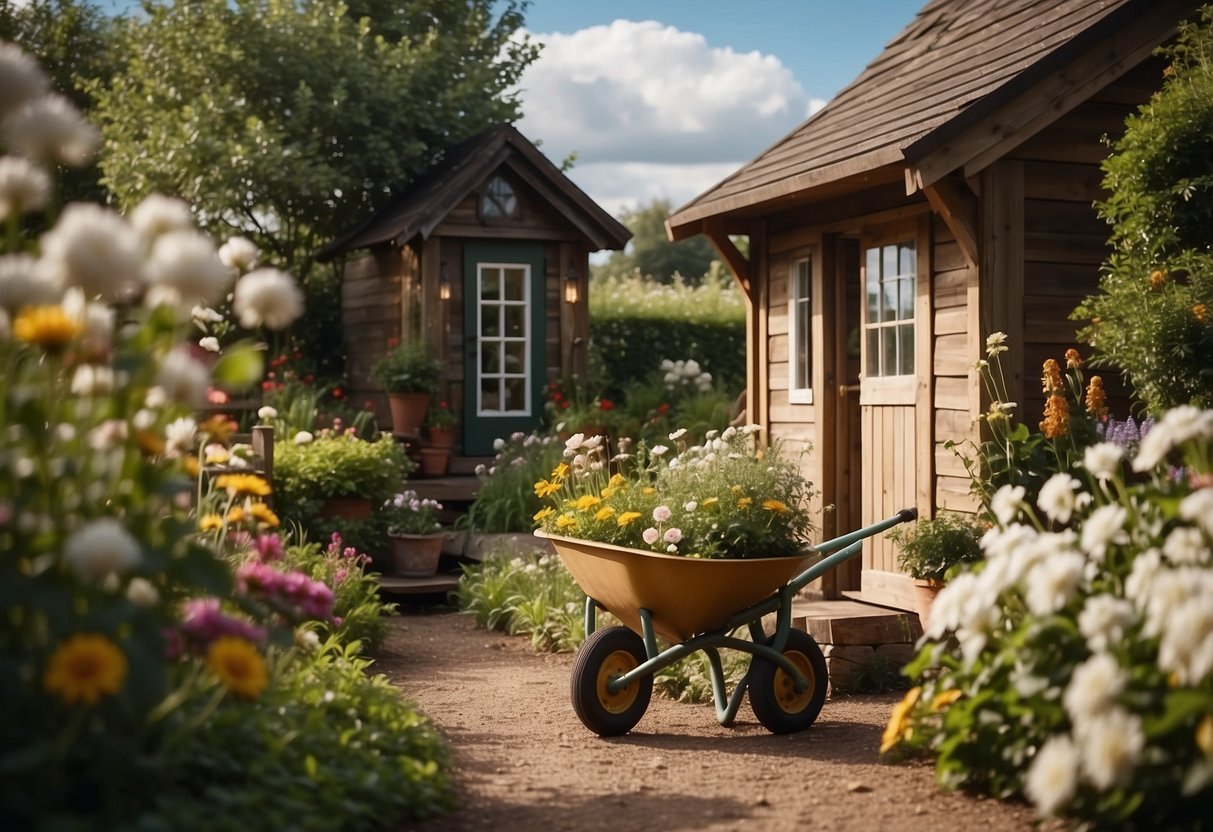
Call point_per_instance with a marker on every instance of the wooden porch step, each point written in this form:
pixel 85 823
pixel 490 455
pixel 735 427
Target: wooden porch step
pixel 417 586
pixel 860 641
pixel 449 489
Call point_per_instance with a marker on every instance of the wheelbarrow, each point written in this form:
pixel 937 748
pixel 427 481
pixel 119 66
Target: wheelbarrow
pixel 698 604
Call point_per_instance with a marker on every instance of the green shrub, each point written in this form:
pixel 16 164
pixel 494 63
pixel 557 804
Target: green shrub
pixel 930 548
pixel 1153 314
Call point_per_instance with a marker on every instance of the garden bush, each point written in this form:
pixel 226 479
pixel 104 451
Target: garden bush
pixel 506 500
pixel 1153 314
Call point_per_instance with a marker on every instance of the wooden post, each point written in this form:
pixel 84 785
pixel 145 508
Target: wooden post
pixel 1000 280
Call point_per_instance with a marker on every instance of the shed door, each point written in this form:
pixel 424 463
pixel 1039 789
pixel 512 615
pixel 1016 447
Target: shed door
pixel 503 319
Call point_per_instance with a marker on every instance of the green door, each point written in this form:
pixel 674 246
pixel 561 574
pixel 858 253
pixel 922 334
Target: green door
pixel 503 321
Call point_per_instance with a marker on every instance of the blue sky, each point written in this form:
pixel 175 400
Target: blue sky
pixel 662 99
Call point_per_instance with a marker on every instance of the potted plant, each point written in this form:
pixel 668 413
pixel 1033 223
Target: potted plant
pixel 409 376
pixel 931 549
pixel 440 424
pixel 415 534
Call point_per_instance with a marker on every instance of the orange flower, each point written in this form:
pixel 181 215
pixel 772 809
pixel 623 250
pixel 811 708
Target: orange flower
pixel 1051 379
pixel 1073 359
pixel 1097 399
pixel 1057 417
pixel 1201 313
pixel 49 327
pixel 84 668
pixel 1157 278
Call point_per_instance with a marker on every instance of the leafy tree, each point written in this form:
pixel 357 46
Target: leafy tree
pixel 1153 313
pixel 653 255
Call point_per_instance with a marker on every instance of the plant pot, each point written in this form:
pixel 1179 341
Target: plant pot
pixel 441 437
pixel 415 555
pixel 434 461
pixel 346 508
pixel 924 596
pixel 408 411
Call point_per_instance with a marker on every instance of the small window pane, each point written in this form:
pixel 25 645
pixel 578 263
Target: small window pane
pixel 906 264
pixel 872 278
pixel 515 321
pixel 890 261
pixel 515 284
pixel 490 395
pixel 490 359
pixel 490 321
pixel 905 338
pixel 515 394
pixel 888 345
pixel 490 288
pixel 873 360
pixel 515 356
pixel 906 293
pixel 888 308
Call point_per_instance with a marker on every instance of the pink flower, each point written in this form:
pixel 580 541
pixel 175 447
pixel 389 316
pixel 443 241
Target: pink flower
pixel 650 535
pixel 661 514
pixel 673 535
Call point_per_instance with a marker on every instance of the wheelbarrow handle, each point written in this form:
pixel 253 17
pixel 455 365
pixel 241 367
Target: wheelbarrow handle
pixel 847 546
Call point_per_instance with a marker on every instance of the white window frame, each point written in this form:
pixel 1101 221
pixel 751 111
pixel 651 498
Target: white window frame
pixel 502 338
pixel 800 329
pixel 894 389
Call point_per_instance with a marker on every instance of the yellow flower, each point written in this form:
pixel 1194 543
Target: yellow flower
pixel 149 443
pixel 218 427
pixel 1073 359
pixel 559 471
pixel 648 491
pixel 243 485
pixel 543 488
pixel 543 514
pixel 1050 380
pixel 899 720
pixel 608 492
pixel 190 464
pixel 710 501
pixel 1204 736
pixel 50 327
pixel 1097 399
pixel 627 517
pixel 236 515
pixel 744 502
pixel 587 501
pixel 616 480
pixel 1057 417
pixel 566 521
pixel 262 512
pixel 210 522
pixel 944 699
pixel 1201 313
pixel 604 513
pixel 238 665
pixel 736 489
pixel 217 455
pixel 84 668
pixel 776 506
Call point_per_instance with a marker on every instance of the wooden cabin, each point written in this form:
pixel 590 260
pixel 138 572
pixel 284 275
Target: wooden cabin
pixel 944 195
pixel 486 256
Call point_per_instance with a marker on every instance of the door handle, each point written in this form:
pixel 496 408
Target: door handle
pixel 844 389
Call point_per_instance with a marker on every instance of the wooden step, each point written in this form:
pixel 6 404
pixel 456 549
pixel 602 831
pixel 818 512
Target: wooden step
pixel 441 582
pixel 852 622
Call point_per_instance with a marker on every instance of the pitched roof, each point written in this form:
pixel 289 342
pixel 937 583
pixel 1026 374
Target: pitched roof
pixel 427 200
pixel 957 61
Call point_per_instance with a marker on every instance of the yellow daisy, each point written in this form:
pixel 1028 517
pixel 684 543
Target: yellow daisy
pixel 899 720
pixel 210 522
pixel 543 488
pixel 543 514
pixel 559 471
pixel 627 517
pixel 587 501
pixel 566 521
pixel 777 506
pixel 243 485
pixel 944 699
pixel 238 665
pixel 604 513
pixel 744 502
pixel 84 668
pixel 50 327
pixel 264 514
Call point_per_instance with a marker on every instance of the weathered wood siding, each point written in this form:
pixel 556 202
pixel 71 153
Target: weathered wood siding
pixel 372 309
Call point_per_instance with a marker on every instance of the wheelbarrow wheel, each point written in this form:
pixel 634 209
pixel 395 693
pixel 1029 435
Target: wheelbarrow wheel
pixel 778 705
pixel 607 654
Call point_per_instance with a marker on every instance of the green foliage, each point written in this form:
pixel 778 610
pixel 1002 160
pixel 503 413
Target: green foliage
pixel 408 368
pixel 328 747
pixel 650 253
pixel 636 322
pixel 359 616
pixel 1153 314
pixel 930 548
pixel 506 500
pixel 406 513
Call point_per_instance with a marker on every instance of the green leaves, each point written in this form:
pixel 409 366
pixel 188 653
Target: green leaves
pixel 241 366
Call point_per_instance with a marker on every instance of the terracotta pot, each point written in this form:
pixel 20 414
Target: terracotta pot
pixel 434 461
pixel 347 508
pixel 408 411
pixel 441 437
pixel 924 596
pixel 415 555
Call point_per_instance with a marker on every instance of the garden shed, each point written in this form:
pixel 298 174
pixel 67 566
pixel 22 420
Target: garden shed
pixel 486 257
pixel 947 193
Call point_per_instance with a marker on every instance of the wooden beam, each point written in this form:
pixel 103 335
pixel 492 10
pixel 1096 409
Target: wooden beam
pixel 1001 275
pixel 957 207
pixel 733 258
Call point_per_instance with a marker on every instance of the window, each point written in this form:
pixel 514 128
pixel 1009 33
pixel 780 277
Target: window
pixel 504 342
pixel 498 200
pixel 800 332
pixel 889 276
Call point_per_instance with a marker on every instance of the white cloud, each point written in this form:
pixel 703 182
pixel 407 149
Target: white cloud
pixel 652 111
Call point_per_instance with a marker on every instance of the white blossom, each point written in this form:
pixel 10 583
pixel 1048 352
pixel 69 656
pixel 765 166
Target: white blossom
pixel 179 436
pixel 101 548
pixel 267 413
pixel 267 297
pixel 1094 687
pixel 1186 545
pixel 157 215
pixel 650 535
pixel 1052 778
pixel 1007 503
pixel 24 187
pixel 1102 460
pixel 142 593
pixel 1059 497
pixel 659 450
pixel 1177 426
pixel 1104 620
pixel 183 270
pixel 1186 648
pixel 303 437
pixel 1053 582
pixel 1198 508
pixel 1103 528
pixel 21 78
pixel 93 380
pixel 22 283
pixel 205 315
pixel 678 434
pixel 93 248
pixel 184 379
pixel 209 343
pixel 1110 747
pixel 239 253
pixel 51 129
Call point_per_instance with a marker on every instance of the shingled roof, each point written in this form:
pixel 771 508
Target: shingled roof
pixel 426 201
pixel 937 88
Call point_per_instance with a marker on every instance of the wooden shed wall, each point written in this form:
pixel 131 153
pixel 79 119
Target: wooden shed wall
pixel 372 303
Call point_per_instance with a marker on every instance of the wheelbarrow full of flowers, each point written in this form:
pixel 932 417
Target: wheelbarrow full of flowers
pixel 674 546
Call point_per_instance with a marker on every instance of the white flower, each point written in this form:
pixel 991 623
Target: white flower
pixel 184 380
pixel 574 442
pixel 1059 497
pixel 691 368
pixel 93 380
pixel 1094 687
pixel 179 436
pixel 21 79
pixel 1169 590
pixel 1186 545
pixel 498 444
pixel 49 129
pixel 158 214
pixel 1104 527
pixel 672 535
pixel 1007 503
pixel 1186 648
pixel 1104 620
pixel 24 187
pixel 1177 426
pixel 678 434
pixel 1053 582
pixel 650 535
pixel 93 248
pixel 1103 460
pixel 98 319
pixel 994 341
pixel 690 506
pixel 183 270
pixel 239 253
pixel 107 435
pixel 267 297
pixel 22 283
pixel 1146 568
pixel 210 343
pixel 303 437
pixel 658 450
pixel 142 593
pixel 266 413
pixel 205 315
pixel 1198 507
pixel 672 549
pixel 101 548
pixel 1053 776
pixel 1110 746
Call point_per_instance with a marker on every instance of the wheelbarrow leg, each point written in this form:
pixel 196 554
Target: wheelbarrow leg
pixel 726 706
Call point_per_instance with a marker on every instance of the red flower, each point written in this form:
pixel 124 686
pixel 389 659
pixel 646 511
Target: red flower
pixel 393 342
pixel 267 385
pixel 664 407
pixel 338 393
pixel 216 396
pixel 606 404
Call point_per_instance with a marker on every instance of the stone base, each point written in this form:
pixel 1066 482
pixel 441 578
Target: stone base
pixel 864 645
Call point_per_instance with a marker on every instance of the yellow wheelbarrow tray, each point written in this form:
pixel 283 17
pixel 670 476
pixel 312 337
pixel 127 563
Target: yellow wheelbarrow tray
pixel 697 604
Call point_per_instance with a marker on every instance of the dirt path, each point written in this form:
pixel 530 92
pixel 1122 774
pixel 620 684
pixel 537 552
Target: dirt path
pixel 524 763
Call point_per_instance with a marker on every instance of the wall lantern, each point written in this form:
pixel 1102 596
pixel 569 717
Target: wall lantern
pixel 444 284
pixel 572 290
